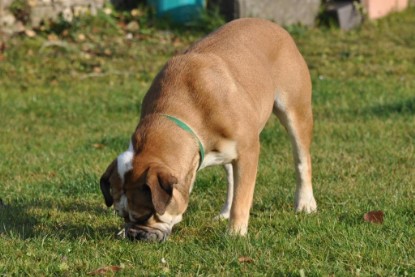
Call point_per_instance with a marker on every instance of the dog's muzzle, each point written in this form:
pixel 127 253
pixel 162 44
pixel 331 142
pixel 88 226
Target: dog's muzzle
pixel 145 233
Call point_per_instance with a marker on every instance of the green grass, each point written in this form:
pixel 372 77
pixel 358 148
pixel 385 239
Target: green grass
pixel 66 111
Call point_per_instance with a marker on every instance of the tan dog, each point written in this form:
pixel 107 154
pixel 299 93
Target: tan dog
pixel 206 107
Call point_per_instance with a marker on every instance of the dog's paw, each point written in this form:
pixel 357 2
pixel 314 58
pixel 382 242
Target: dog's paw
pixel 238 229
pixel 224 215
pixel 305 202
pixel 225 212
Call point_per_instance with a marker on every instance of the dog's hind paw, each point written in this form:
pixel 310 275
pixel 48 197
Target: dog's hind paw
pixel 225 212
pixel 305 202
pixel 221 217
pixel 224 215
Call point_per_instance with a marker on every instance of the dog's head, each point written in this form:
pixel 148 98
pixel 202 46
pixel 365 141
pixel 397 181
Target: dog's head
pixel 146 196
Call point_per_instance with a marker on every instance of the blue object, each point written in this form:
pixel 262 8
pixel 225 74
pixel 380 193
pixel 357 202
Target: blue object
pixel 179 11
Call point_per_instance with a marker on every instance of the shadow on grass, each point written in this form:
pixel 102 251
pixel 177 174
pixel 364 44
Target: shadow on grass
pixel 351 219
pixel 52 218
pixel 403 107
pixel 14 220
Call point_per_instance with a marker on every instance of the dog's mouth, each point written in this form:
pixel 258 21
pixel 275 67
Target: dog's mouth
pixel 148 227
pixel 134 231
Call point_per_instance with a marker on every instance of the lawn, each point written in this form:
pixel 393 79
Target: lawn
pixel 69 103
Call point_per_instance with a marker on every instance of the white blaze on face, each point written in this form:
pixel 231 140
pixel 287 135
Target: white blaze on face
pixel 124 164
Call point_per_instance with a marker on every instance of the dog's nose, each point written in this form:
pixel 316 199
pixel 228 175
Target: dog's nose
pixel 144 234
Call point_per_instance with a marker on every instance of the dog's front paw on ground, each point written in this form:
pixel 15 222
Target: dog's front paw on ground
pixel 235 229
pixel 305 203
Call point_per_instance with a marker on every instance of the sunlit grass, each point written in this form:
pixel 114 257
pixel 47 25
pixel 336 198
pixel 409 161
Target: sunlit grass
pixel 66 112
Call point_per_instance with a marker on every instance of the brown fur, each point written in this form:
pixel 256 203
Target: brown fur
pixel 225 87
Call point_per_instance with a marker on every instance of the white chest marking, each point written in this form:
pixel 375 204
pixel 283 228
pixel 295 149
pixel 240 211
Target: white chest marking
pixel 225 154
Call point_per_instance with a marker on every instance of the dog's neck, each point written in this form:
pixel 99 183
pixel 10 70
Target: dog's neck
pixel 158 140
pixel 181 124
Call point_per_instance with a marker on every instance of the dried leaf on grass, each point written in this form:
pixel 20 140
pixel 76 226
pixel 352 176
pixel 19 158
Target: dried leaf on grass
pixel 97 69
pixel 137 12
pixel 245 259
pixel 98 145
pixel 108 52
pixel 81 37
pixel 105 269
pixel 30 33
pixel 374 217
pixel 53 37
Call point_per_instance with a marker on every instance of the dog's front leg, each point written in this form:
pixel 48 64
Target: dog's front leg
pixel 244 172
pixel 226 209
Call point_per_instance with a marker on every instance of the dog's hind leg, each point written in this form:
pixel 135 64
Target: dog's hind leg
pixel 297 118
pixel 226 209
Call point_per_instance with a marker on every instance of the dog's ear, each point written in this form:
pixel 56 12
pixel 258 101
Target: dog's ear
pixel 161 184
pixel 105 183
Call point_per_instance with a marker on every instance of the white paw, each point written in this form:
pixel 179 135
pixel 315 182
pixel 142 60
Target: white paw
pixel 224 215
pixel 305 202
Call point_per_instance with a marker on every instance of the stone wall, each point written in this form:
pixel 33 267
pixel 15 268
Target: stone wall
pixel 41 10
pixel 284 12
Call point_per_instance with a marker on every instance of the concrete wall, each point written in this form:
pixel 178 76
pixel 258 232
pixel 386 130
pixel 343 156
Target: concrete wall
pixel 284 12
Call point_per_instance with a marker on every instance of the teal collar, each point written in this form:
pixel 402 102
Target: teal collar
pixel 186 127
